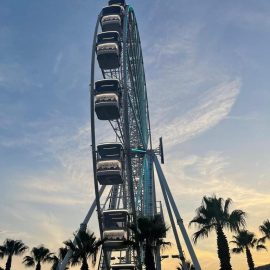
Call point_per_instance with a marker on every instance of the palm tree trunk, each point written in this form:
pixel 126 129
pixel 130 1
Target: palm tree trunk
pixel 8 263
pixel 250 259
pixel 223 250
pixel 84 264
pixel 38 267
pixel 149 258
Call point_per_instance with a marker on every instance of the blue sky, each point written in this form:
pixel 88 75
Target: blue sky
pixel 207 71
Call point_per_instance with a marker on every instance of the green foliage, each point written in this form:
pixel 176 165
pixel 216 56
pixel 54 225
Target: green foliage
pixel 38 256
pixel 59 258
pixel 214 215
pixel 244 241
pixel 86 247
pixel 150 233
pixel 11 248
pixel 265 230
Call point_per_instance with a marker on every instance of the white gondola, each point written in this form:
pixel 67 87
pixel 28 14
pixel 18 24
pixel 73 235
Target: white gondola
pixel 109 164
pixel 107 99
pixel 123 266
pixel 109 50
pixel 115 230
pixel 112 18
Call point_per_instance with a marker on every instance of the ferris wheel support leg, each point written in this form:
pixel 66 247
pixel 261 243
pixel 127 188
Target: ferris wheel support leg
pixel 62 265
pixel 180 223
pixel 179 247
pixel 157 250
pixel 158 259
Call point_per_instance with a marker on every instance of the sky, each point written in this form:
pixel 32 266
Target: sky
pixel 207 73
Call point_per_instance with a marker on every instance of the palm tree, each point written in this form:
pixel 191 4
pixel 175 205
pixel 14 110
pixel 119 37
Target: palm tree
pixel 150 233
pixel 10 248
pixel 245 240
pixel 61 255
pixel 214 215
pixel 38 256
pixel 265 230
pixel 87 247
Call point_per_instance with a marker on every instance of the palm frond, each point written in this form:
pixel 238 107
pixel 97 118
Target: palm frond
pixel 62 252
pixel 261 247
pixel 70 245
pixel 10 247
pixel 237 250
pixel 265 228
pixel 49 257
pixel 236 220
pixel 199 221
pixel 163 244
pixel 202 233
pixel 86 246
pixel 227 204
pixel 262 240
pixel 28 261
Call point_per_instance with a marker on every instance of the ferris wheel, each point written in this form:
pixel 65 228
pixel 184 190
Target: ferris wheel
pixel 119 99
pixel 124 165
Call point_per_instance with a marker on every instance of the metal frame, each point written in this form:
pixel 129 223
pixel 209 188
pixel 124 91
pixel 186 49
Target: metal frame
pixel 62 265
pixel 168 197
pixel 133 127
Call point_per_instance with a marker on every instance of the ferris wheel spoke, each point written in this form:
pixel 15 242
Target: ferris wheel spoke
pixel 136 121
pixel 117 130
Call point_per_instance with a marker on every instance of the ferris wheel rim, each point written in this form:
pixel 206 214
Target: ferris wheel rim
pixel 125 65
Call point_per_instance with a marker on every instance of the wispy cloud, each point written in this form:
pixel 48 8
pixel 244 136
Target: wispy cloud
pixel 190 92
pixel 57 63
pixel 212 107
pixel 251 19
pixel 210 175
pixel 4 234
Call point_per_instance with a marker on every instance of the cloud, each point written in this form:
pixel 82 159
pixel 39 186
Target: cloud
pixel 210 174
pixel 57 63
pixel 69 181
pixel 15 78
pixel 249 19
pixel 190 90
pixel 50 227
pixel 212 107
pixel 4 234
